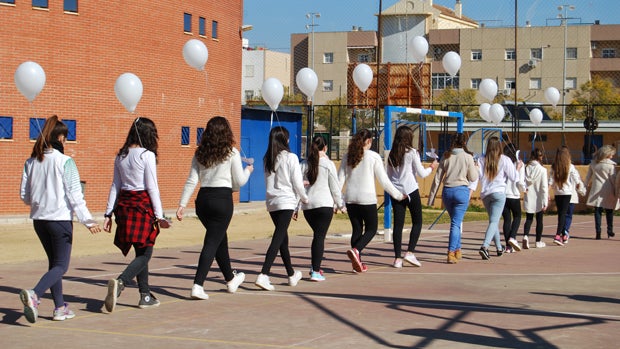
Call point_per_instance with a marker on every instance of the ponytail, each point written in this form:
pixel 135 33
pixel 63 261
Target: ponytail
pixel 318 144
pixel 50 132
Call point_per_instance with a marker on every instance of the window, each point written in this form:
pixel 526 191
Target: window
pixel 184 135
pixel 441 81
pixel 36 125
pixel 328 85
pixel 535 83
pixel 6 127
pixel 476 55
pixel 202 26
pixel 249 71
pixel 511 54
pixel 570 83
pixel 214 30
pixel 536 53
pixel 328 57
pixel 571 53
pixel 7 2
pixel 199 132
pixel 187 22
pixel 609 53
pixel 71 6
pixel 40 3
pixel 509 83
pixel 249 95
pixel 475 83
pixel 363 58
pixel 71 125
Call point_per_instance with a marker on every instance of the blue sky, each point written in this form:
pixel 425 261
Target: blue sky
pixel 275 20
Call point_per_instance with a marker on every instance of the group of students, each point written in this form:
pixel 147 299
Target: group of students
pixel 51 186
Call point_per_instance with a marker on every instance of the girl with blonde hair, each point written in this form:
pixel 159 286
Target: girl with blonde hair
pixel 600 181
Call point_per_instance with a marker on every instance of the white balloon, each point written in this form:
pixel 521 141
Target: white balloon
pixel 488 89
pixel 195 54
pixel 419 48
pixel 536 116
pixel 128 89
pixel 484 111
pixel 362 76
pixel 272 92
pixel 30 79
pixel 307 81
pixel 496 113
pixel 552 95
pixel 451 63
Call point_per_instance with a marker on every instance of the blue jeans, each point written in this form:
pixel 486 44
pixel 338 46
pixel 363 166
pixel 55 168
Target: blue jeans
pixel 456 201
pixel 494 204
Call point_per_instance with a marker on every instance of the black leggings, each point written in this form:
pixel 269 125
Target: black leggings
pixel 364 223
pixel 139 268
pixel 512 218
pixel 561 202
pixel 319 220
pixel 214 208
pixel 279 242
pixel 529 217
pixel 400 210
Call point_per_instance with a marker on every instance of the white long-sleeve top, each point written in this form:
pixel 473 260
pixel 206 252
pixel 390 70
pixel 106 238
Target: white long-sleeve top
pixel 537 194
pixel 571 182
pixel 134 172
pixel 227 174
pixel 506 170
pixel 285 186
pixel 52 189
pixel 325 192
pixel 514 188
pixel 360 181
pixel 403 176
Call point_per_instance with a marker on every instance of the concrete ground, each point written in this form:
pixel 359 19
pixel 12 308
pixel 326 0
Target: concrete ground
pixel 554 297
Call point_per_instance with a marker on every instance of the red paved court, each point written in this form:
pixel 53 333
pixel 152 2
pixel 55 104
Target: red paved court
pixel 555 297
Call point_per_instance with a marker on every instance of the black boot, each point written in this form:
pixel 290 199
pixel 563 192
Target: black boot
pixel 598 235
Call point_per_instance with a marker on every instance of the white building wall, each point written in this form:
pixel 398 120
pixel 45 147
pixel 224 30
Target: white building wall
pixel 252 73
pixel 397 30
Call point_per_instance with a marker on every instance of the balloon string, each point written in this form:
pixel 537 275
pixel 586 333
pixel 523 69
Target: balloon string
pixel 38 125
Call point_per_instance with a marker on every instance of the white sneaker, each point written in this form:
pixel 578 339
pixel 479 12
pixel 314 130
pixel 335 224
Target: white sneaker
pixel 237 280
pixel 398 263
pixel 410 258
pixel 540 244
pixel 262 281
pixel 526 242
pixel 198 292
pixel 293 280
pixel 514 244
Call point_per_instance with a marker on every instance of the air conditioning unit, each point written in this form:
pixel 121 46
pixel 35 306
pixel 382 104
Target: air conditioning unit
pixel 532 63
pixel 506 92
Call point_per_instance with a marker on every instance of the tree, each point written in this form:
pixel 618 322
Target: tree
pixel 601 94
pixel 464 101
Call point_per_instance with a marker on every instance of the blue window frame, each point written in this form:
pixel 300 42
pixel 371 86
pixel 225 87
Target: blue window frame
pixel 6 127
pixel 40 3
pixel 202 26
pixel 184 135
pixel 71 6
pixel 12 2
pixel 199 132
pixel 71 125
pixel 187 22
pixel 36 125
pixel 214 29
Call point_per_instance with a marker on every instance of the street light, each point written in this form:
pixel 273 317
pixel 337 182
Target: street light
pixel 312 16
pixel 563 16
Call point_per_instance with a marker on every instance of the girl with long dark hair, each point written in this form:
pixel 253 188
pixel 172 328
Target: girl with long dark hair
pixel 536 197
pixel 135 202
pixel 359 168
pixel 284 188
pixel 564 177
pixel 404 165
pixel 324 197
pixel 217 166
pixel 51 187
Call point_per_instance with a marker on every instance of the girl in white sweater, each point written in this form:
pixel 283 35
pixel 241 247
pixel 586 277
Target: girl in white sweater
pixel 284 188
pixel 536 197
pixel 564 177
pixel 512 207
pixel 324 197
pixel 358 169
pixel 600 179
pixel 217 166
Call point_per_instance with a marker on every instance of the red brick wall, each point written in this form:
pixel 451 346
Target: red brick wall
pixel 84 54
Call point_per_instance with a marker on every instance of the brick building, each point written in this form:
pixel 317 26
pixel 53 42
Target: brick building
pixel 84 46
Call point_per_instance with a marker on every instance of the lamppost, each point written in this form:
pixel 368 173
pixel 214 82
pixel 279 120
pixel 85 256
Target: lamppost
pixel 312 16
pixel 563 16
